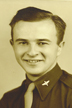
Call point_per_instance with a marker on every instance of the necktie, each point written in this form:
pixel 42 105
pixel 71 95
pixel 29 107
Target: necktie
pixel 28 97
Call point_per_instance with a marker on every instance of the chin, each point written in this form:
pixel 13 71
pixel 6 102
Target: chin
pixel 34 73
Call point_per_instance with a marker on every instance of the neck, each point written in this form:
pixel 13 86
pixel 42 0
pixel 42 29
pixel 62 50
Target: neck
pixel 35 77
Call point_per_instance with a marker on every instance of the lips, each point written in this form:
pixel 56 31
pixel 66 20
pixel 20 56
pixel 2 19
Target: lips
pixel 33 61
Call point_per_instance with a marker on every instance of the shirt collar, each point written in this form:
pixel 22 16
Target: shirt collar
pixel 26 83
pixel 45 83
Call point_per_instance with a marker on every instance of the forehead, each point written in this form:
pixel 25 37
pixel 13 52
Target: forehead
pixel 41 24
pixel 40 29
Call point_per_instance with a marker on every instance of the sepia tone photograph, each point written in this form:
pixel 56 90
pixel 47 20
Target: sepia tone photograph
pixel 36 54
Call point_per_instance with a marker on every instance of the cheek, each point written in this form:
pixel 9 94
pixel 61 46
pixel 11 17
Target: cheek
pixel 50 52
pixel 19 51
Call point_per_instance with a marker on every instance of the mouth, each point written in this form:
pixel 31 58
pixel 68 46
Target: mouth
pixel 33 61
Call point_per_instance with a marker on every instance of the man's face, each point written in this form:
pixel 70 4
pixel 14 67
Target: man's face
pixel 35 46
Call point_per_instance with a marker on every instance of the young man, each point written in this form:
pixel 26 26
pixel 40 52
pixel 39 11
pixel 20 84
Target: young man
pixel 37 40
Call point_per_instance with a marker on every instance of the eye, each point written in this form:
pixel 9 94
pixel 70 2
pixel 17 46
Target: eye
pixel 42 43
pixel 23 43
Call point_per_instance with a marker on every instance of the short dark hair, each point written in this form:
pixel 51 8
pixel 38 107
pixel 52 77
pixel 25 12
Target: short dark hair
pixel 33 14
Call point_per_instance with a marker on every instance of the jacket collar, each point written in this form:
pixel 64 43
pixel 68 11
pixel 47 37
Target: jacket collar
pixel 45 83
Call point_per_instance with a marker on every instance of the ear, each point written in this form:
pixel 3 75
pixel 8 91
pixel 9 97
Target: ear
pixel 60 47
pixel 11 42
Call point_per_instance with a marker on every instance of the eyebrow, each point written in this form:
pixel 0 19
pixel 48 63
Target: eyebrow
pixel 21 40
pixel 44 40
pixel 36 40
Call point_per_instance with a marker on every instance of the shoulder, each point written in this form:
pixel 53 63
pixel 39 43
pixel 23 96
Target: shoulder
pixel 14 92
pixel 66 78
pixel 10 97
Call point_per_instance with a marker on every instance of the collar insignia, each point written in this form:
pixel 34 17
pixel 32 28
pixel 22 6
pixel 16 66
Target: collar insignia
pixel 46 83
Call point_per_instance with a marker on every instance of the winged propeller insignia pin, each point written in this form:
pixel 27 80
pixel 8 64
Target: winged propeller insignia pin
pixel 46 83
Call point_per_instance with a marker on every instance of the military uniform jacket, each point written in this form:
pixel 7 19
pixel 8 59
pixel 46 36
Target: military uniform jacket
pixel 53 90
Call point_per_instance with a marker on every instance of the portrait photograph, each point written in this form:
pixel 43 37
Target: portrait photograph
pixel 35 53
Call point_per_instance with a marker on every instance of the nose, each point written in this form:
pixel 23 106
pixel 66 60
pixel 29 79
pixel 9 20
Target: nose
pixel 32 50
